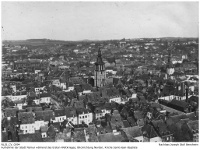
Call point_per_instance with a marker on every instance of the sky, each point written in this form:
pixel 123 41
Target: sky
pixel 98 20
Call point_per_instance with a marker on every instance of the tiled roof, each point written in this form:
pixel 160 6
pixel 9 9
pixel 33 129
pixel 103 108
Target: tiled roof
pixel 131 121
pixel 161 127
pixel 126 124
pixel 59 112
pixel 36 137
pixel 149 131
pixel 45 115
pixel 11 112
pixel 110 137
pixel 132 132
pixel 70 112
pixel 34 108
pixel 45 95
pixel 82 110
pixel 26 117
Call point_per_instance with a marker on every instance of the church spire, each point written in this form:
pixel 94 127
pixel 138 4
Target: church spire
pixel 99 53
pixel 99 58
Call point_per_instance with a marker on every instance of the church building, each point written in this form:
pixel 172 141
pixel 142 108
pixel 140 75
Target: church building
pixel 99 72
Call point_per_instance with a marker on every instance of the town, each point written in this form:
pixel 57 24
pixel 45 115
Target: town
pixel 126 90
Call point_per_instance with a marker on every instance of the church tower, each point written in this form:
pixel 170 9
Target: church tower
pixel 170 67
pixel 99 73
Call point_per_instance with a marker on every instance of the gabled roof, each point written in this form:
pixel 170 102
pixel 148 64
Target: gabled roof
pixel 126 124
pixel 36 137
pixel 59 112
pixel 11 112
pixel 133 132
pixel 70 112
pixel 131 121
pixel 26 117
pixel 34 108
pixel 138 114
pixel 45 95
pixel 45 115
pixel 161 127
pixel 110 137
pixel 83 110
pixel 149 131
pixel 179 103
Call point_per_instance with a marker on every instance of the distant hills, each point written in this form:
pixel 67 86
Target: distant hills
pixel 50 41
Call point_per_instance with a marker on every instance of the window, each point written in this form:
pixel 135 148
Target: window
pixel 167 138
pixel 85 116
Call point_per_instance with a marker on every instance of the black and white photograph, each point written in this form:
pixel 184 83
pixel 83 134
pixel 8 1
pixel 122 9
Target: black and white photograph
pixel 100 71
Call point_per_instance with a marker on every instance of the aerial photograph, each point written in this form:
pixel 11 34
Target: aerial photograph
pixel 99 71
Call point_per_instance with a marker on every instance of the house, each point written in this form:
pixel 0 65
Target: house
pixel 113 95
pixel 84 116
pixel 27 124
pixel 133 133
pixel 39 120
pixel 78 89
pixel 56 82
pixel 63 84
pixel 59 115
pixel 150 134
pixel 87 88
pixel 38 89
pixel 179 105
pixel 101 111
pixel 162 130
pixel 43 130
pixel 71 115
pixel 20 103
pixel 70 86
pixel 45 98
pixel 116 121
pixel 98 113
pixel 43 118
pixel 16 97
